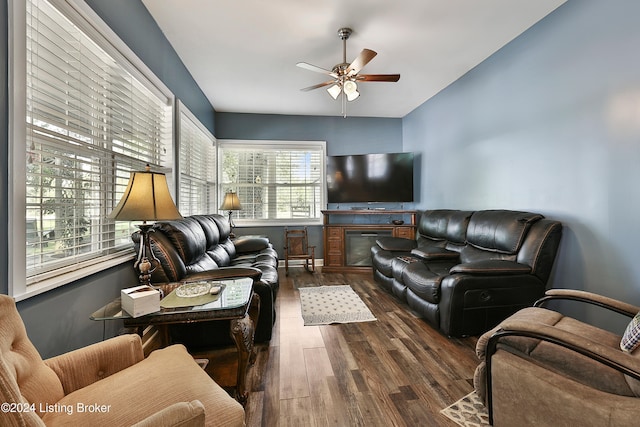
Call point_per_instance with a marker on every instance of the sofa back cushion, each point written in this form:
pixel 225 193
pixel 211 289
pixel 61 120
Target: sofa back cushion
pixel 172 267
pixel 223 226
pixel 189 238
pixel 23 374
pixel 443 225
pixel 186 236
pixel 210 229
pixel 499 231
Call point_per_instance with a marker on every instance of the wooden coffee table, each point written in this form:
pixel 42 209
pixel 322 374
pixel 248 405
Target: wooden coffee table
pixel 237 302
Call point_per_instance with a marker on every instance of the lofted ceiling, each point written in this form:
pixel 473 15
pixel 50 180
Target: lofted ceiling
pixel 243 54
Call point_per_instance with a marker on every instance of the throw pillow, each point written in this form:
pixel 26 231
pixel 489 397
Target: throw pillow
pixel 631 338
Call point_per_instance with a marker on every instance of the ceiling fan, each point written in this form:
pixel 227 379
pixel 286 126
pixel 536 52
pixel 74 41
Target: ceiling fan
pixel 346 76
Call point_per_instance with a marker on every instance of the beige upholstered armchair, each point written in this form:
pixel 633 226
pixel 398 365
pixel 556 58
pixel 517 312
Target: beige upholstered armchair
pixel 105 384
pixel 539 367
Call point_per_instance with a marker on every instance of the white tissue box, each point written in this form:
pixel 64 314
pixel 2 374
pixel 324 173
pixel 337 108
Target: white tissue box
pixel 140 300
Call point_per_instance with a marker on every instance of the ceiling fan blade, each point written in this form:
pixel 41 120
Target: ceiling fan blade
pixel 363 59
pixel 378 77
pixel 315 68
pixel 318 86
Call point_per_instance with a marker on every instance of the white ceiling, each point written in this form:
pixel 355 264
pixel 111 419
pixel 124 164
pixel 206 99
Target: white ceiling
pixel 243 53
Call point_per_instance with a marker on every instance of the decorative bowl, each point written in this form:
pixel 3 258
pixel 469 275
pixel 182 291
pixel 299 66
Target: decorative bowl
pixel 195 289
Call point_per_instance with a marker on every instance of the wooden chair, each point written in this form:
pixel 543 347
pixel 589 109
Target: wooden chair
pixel 296 247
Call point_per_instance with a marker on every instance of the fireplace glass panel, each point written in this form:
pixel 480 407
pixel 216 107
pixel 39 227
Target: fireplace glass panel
pixel 358 245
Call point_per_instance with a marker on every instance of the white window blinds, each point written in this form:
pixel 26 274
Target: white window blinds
pixel 198 166
pixel 89 122
pixel 275 181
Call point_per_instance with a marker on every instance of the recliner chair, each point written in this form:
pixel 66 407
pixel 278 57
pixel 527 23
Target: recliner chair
pixel 105 384
pixel 539 367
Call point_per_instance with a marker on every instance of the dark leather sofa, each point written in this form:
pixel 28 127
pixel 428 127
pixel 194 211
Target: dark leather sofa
pixel 199 247
pixel 468 270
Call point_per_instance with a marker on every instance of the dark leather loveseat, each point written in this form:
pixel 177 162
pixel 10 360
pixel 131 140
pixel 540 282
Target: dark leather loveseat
pixel 199 247
pixel 467 270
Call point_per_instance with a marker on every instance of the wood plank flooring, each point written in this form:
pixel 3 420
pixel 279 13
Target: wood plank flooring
pixel 396 371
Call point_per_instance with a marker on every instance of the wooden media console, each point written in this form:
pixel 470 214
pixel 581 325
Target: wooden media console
pixel 349 234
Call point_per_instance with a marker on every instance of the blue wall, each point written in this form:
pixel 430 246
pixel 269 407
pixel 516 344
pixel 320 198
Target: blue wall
pixel 353 135
pixel 550 123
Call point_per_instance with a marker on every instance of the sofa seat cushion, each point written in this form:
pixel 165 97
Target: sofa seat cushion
pixel 257 259
pixel 472 254
pixel 173 376
pixel 489 267
pixel 424 280
pixel 559 359
pixel 383 260
pixel 269 275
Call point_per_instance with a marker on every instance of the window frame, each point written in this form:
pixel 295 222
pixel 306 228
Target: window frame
pixel 93 26
pixel 183 113
pixel 275 145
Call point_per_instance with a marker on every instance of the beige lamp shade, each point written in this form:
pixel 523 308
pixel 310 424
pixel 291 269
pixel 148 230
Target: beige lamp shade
pixel 146 198
pixel 231 202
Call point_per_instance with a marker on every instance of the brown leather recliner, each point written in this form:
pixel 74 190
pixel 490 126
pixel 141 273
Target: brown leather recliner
pixel 468 270
pixel 539 367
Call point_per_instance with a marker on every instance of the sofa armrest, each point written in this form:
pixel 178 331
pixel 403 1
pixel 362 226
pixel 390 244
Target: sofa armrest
pixel 181 414
pixel 225 273
pixel 491 267
pixel 396 244
pixel 249 244
pixel 435 254
pixel 628 310
pixel 79 368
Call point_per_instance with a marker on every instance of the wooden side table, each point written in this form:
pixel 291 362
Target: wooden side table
pixel 237 303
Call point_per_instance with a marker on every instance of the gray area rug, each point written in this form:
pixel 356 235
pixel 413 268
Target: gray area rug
pixel 468 411
pixel 324 305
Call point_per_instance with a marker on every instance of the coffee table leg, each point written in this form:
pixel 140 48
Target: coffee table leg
pixel 243 332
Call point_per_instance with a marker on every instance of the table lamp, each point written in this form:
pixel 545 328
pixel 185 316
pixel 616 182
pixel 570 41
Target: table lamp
pixel 146 198
pixel 231 203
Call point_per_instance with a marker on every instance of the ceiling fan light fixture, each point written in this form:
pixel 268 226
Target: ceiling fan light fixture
pixel 350 87
pixel 334 91
pixel 345 75
pixel 351 96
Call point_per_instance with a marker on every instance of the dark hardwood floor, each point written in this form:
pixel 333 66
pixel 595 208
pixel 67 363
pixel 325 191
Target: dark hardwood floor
pixel 396 371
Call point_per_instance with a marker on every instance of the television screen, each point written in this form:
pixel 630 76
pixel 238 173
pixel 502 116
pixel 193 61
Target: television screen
pixel 368 178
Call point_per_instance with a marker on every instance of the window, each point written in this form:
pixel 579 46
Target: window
pixel 83 119
pixel 276 181
pixel 197 165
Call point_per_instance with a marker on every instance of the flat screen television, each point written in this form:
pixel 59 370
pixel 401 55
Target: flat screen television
pixel 370 178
